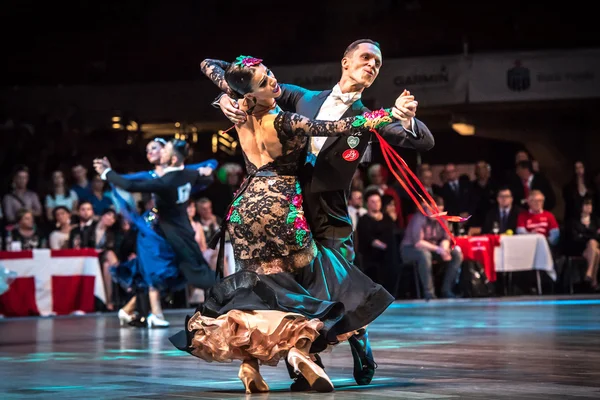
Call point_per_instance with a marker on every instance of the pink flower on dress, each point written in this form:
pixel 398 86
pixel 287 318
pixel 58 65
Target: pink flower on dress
pixel 376 114
pixel 300 223
pixel 297 201
pixel 229 214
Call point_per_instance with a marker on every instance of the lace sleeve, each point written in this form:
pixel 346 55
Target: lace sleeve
pixel 297 125
pixel 215 71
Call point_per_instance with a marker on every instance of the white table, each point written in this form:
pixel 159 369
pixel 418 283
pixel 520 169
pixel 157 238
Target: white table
pixel 525 252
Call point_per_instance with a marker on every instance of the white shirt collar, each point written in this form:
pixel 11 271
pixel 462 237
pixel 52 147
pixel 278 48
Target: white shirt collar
pixel 529 180
pixel 171 169
pixel 346 98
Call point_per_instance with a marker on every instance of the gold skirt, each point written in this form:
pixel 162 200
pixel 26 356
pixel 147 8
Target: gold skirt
pixel 243 335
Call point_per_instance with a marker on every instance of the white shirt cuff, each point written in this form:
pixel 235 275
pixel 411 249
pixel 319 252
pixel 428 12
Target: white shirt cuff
pixel 412 128
pixel 106 171
pixel 215 103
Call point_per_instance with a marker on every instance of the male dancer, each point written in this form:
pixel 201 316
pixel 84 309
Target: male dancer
pixel 172 192
pixel 332 162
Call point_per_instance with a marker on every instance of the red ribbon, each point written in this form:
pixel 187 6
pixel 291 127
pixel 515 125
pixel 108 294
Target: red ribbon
pixel 390 156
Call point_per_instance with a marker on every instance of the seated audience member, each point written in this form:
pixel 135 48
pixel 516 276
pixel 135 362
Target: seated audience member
pixel 425 241
pixel 25 232
pixel 538 220
pixel 582 239
pixel 59 238
pixel 83 234
pixel 504 216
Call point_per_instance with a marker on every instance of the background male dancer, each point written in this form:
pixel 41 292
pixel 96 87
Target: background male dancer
pixel 172 192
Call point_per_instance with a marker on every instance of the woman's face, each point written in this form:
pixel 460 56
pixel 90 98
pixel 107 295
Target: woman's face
pixel 26 221
pixel 579 169
pixel 191 209
pixel 58 178
pixel 108 219
pixel 390 208
pixel 264 84
pixel 63 217
pixel 153 152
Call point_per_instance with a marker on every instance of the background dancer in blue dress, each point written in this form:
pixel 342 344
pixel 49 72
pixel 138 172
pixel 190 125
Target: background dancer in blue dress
pixel 154 270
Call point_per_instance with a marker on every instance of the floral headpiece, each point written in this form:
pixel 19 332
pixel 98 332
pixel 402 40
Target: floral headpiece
pixel 247 61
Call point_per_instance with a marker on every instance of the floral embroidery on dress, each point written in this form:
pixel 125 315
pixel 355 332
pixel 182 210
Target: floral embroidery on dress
pixel 233 215
pixel 374 119
pixel 296 216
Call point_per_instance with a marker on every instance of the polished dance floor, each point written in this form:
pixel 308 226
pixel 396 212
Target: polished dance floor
pixel 516 348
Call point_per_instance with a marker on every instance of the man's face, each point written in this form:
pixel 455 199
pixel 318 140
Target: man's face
pixel 86 212
pixel 356 199
pixel 362 64
pixel 536 202
pixel 79 172
pixel 374 203
pixel 481 170
pixel 21 180
pixel 505 198
pixel 451 173
pixel 427 178
pixel 205 210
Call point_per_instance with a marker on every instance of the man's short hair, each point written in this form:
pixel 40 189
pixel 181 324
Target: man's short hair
pixel 525 164
pixel 350 49
pixel 504 189
pixel 84 202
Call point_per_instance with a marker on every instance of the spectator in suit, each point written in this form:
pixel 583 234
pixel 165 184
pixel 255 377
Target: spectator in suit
pixel 482 194
pixel 530 181
pixel 355 207
pixel 503 216
pixel 455 193
pixel 84 234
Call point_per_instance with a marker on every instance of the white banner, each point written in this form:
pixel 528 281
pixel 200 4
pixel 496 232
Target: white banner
pixel 535 76
pixel 433 80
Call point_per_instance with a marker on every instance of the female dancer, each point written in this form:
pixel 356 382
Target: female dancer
pixel 154 269
pixel 291 296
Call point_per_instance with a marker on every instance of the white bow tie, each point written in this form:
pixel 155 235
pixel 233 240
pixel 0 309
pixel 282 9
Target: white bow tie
pixel 345 98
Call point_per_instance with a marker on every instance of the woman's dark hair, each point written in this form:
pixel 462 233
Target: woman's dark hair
pixel 52 192
pixel 239 79
pixel 386 199
pixel 58 208
pixel 587 200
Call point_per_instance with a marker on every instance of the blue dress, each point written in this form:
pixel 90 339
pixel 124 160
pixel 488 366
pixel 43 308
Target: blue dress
pixel 155 265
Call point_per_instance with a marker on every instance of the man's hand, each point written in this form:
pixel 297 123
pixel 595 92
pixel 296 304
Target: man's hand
pixel 101 165
pixel 205 171
pixel 231 109
pixel 405 109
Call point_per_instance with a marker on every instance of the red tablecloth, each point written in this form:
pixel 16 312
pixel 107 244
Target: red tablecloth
pixel 52 282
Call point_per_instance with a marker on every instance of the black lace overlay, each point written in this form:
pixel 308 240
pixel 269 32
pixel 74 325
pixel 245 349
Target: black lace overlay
pixel 290 126
pixel 215 71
